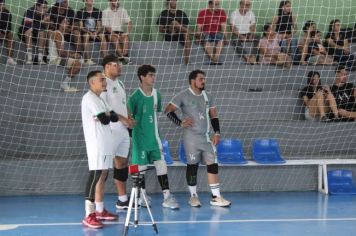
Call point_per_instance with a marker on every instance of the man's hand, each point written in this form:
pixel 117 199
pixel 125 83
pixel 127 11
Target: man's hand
pixel 187 122
pixel 215 139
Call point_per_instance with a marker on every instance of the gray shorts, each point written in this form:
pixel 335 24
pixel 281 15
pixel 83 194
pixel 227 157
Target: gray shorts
pixel 198 149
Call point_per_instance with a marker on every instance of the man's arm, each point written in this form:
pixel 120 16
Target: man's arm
pixel 214 120
pixel 170 112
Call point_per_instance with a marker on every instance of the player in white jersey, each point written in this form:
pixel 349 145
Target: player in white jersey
pixel 198 109
pixel 115 96
pixel 96 116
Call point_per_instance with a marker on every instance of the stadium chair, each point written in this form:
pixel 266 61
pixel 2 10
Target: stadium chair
pixel 181 153
pixel 340 182
pixel 167 152
pixel 266 151
pixel 230 152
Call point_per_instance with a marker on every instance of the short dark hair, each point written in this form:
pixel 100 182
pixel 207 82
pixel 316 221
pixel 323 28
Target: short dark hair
pixel 307 24
pixel 143 70
pixel 110 58
pixel 92 73
pixel 340 68
pixel 193 75
pixel 41 2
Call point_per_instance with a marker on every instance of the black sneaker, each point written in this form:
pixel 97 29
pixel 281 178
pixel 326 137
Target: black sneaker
pixel 122 205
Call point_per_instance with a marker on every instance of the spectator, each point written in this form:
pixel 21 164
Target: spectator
pixel 270 51
pixel 91 29
pixel 338 46
pixel 317 52
pixel 5 31
pixel 34 30
pixel 317 99
pixel 212 29
pixel 114 18
pixel 285 24
pixel 60 10
pixel 173 23
pixel 243 27
pixel 345 94
pixel 303 43
pixel 59 56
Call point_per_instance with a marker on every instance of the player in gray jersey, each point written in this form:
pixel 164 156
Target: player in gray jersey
pixel 199 112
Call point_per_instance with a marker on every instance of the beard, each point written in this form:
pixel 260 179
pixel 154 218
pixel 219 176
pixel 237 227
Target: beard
pixel 202 88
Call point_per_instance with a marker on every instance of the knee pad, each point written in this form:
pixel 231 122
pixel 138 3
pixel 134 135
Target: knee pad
pixel 213 168
pixel 142 169
pixel 161 167
pixel 191 174
pixel 121 174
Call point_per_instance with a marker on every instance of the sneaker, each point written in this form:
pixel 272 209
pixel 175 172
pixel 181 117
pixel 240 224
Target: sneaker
pixel 66 88
pixel 105 215
pixel 142 202
pixel 194 201
pixel 170 202
pixel 125 60
pixel 89 62
pixel 11 61
pixel 122 205
pixel 219 201
pixel 92 222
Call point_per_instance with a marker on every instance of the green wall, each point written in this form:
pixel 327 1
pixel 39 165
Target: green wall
pixel 144 13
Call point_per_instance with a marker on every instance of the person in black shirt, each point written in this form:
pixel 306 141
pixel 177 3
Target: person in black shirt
pixel 34 29
pixel 317 99
pixel 345 94
pixel 173 23
pixel 5 31
pixel 60 10
pixel 91 29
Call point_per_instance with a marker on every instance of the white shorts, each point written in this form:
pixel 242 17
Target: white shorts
pixel 100 162
pixel 121 141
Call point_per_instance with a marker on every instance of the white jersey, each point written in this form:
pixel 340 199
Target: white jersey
pixel 242 22
pixel 98 137
pixel 115 96
pixel 52 48
pixel 115 19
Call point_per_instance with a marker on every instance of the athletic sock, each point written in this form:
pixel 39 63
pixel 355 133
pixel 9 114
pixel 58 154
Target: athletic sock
pixel 193 190
pixel 166 193
pixel 89 207
pixel 215 189
pixel 99 206
pixel 122 198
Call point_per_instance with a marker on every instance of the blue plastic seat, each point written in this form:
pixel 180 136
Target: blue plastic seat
pixel 167 152
pixel 266 151
pixel 181 153
pixel 230 151
pixel 340 182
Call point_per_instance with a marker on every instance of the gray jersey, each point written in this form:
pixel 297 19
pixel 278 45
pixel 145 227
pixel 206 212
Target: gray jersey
pixel 196 107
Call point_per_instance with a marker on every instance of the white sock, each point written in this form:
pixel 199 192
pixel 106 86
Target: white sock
pixel 166 193
pixel 99 206
pixel 215 189
pixel 89 207
pixel 122 198
pixel 29 54
pixel 40 55
pixel 193 190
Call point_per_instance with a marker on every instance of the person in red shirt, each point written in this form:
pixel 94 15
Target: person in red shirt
pixel 212 29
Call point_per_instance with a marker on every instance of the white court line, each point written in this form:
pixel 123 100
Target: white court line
pixel 14 226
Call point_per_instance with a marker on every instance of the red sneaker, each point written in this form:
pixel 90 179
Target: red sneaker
pixel 92 221
pixel 105 215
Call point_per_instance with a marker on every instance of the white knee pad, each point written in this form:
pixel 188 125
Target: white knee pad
pixel 161 167
pixel 142 168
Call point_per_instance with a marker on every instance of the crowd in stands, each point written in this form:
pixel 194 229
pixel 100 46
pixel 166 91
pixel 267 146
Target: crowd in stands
pixel 46 30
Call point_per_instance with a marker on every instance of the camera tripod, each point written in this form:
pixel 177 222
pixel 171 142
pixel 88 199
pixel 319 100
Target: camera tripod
pixel 135 194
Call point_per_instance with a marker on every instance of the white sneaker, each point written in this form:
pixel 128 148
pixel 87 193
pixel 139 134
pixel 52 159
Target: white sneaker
pixel 125 60
pixel 219 201
pixel 194 201
pixel 11 61
pixel 141 201
pixel 89 62
pixel 66 88
pixel 170 202
pixel 28 62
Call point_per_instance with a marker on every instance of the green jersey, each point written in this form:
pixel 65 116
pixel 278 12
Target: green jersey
pixel 143 108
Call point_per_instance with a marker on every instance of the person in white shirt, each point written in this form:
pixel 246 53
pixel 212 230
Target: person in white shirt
pixel 115 96
pixel 96 117
pixel 243 27
pixel 114 19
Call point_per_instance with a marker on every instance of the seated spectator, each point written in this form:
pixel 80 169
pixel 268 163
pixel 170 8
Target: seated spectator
pixel 304 41
pixel 338 46
pixel 317 54
pixel 173 23
pixel 212 29
pixel 5 31
pixel 243 28
pixel 269 49
pixel 345 94
pixel 114 18
pixel 318 100
pixel 91 29
pixel 285 24
pixel 34 30
pixel 59 56
pixel 60 10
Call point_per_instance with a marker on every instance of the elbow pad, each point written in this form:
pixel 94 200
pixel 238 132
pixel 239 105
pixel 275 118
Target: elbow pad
pixel 103 118
pixel 174 118
pixel 215 124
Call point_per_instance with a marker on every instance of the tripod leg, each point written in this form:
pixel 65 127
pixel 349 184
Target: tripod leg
pixel 136 206
pixel 150 213
pixel 133 196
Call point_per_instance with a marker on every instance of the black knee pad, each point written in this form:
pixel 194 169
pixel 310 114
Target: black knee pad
pixel 191 175
pixel 121 174
pixel 213 168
